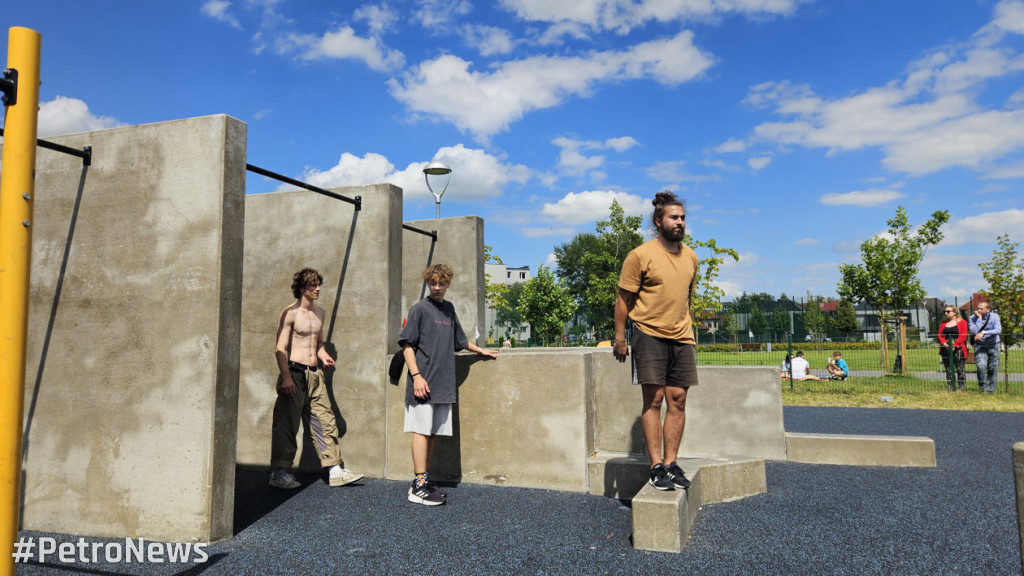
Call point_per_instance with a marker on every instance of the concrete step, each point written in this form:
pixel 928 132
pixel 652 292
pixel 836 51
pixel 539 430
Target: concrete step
pixel 662 520
pixel 857 450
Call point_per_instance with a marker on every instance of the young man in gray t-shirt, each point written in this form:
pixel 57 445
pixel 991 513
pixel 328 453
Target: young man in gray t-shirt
pixel 431 336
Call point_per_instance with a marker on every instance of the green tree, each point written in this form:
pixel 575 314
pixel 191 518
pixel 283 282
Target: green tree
pixel 546 304
pixel 779 322
pixel 757 322
pixel 707 300
pixel 887 279
pixel 1005 276
pixel 845 319
pixel 814 319
pixel 493 292
pixel 508 313
pixel 727 322
pixel 590 265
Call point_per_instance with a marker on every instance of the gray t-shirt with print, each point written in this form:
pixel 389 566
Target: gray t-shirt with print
pixel 434 332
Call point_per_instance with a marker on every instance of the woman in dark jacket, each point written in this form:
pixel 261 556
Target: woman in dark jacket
pixel 953 347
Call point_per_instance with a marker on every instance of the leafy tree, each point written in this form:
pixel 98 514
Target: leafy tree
pixel 590 265
pixel 844 322
pixel 887 280
pixel 508 313
pixel 757 322
pixel 707 300
pixel 779 321
pixel 546 304
pixel 814 319
pixel 1005 276
pixel 727 322
pixel 493 293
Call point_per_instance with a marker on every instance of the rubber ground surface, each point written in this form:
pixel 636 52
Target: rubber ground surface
pixel 959 518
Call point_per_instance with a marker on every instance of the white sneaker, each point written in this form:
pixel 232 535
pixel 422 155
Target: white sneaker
pixel 280 478
pixel 346 477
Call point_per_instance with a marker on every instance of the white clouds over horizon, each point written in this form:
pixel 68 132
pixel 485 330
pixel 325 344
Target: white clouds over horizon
pixel 344 43
pixel 487 102
pixel 64 115
pixel 578 208
pixel 218 10
pixel 862 198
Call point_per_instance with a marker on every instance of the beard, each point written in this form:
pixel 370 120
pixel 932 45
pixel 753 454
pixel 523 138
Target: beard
pixel 672 235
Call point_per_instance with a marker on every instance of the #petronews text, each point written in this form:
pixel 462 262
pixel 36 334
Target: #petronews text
pixel 131 550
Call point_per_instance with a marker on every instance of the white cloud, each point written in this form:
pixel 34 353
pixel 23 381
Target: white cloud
pixel 218 10
pixel 589 206
pixel 64 115
pixel 378 17
pixel 674 172
pixel 544 232
pixel 759 162
pixel 862 198
pixel 486 103
pixel 983 227
pixel 475 174
pixel 806 242
pixel 261 114
pixel 623 15
pixel 438 14
pixel 1007 171
pixel 343 43
pixel 571 160
pixel 731 145
pixel 929 120
pixel 487 40
pixel 622 143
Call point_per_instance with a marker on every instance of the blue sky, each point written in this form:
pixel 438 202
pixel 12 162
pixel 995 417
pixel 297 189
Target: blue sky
pixel 793 128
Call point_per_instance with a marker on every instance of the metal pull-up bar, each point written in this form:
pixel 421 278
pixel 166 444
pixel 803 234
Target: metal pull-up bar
pixel 85 153
pixel 432 233
pixel 357 201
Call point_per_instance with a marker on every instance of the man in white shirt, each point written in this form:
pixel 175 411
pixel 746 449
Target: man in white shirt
pixel 801 368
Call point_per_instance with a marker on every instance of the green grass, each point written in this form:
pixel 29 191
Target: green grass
pixel 970 400
pixel 918 359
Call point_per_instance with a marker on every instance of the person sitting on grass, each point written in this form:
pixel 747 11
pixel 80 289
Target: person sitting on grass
pixel 837 368
pixel 785 366
pixel 801 368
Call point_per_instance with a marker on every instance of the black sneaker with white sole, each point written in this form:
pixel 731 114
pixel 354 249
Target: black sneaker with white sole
pixel 659 478
pixel 677 476
pixel 425 494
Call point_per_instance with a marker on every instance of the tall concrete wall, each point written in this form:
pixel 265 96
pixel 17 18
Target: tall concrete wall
pixel 132 373
pixel 460 244
pixel 359 253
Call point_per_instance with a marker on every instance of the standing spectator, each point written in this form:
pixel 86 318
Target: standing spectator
pixel 985 329
pixel 953 348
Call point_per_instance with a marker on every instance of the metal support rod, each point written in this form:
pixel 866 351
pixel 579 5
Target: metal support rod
pixel 432 233
pixel 17 188
pixel 357 201
pixel 85 153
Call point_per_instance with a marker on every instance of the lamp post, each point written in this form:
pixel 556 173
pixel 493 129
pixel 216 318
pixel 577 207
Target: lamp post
pixel 437 169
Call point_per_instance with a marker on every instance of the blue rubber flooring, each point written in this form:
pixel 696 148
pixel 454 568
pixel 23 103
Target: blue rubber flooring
pixel 959 518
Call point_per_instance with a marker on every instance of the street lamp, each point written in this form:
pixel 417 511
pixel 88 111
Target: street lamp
pixel 437 169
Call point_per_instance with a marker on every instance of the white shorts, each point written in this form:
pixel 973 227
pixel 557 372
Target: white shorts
pixel 429 419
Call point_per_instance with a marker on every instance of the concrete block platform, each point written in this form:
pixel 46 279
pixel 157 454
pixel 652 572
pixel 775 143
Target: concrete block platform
pixel 662 520
pixel 857 450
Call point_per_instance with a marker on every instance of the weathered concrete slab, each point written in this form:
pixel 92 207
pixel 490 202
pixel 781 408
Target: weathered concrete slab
pixel 359 255
pixel 460 244
pixel 857 450
pixel 662 520
pixel 734 411
pixel 133 350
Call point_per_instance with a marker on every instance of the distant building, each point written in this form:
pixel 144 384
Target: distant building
pixel 501 274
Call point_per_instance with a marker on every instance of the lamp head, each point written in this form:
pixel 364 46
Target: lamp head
pixel 437 169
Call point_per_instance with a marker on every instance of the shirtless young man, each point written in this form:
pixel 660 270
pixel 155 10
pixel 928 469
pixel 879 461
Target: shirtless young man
pixel 301 389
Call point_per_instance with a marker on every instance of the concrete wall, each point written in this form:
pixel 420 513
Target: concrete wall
pixel 359 255
pixel 132 372
pixel 535 417
pixel 460 244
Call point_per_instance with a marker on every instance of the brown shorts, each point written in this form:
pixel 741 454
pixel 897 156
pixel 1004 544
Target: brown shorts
pixel 663 362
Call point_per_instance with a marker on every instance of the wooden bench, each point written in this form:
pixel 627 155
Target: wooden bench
pixel 751 346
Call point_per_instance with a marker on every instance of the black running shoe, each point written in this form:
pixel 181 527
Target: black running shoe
pixel 425 494
pixel 677 476
pixel 660 479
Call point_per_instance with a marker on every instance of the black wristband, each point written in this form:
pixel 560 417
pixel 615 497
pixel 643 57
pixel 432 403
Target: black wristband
pixel 414 375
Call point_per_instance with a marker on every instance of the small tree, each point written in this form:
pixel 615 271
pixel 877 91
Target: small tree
pixel 757 322
pixel 779 321
pixel 1005 276
pixel 707 300
pixel 845 320
pixel 887 279
pixel 546 304
pixel 814 319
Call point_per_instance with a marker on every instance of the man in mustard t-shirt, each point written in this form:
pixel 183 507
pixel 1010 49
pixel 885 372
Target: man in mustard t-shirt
pixel 657 281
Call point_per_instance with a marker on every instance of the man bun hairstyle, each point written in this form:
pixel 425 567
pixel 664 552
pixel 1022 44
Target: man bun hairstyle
pixel 662 199
pixel 303 278
pixel 440 272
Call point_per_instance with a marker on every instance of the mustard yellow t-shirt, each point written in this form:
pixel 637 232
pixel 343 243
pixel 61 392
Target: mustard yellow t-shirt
pixel 663 282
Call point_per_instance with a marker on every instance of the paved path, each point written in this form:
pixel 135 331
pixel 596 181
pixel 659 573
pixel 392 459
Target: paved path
pixel 958 518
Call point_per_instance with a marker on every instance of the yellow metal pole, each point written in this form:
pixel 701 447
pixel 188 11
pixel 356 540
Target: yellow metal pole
pixel 17 187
